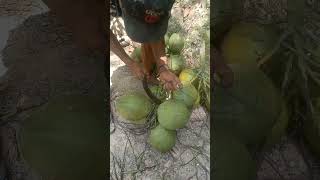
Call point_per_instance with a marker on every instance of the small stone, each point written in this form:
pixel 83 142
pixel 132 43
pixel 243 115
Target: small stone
pixel 186 156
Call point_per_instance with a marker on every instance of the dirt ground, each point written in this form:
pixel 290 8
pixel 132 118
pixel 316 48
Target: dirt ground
pixel 133 158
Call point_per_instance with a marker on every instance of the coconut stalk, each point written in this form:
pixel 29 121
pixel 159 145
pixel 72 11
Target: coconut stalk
pixel 203 70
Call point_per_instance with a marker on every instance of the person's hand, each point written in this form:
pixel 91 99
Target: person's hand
pixel 170 80
pixel 137 70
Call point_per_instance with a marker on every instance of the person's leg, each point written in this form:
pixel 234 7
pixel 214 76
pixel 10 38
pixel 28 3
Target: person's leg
pixel 149 61
pixel 147 57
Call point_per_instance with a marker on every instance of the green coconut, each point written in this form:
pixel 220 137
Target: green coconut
pixel 176 43
pixel 247 43
pixel 189 76
pixel 166 39
pixel 176 63
pixel 279 129
pixel 133 106
pixel 136 54
pixel 162 139
pixel 173 114
pixel 66 138
pixel 158 92
pixel 251 106
pixel 188 94
pixel 231 158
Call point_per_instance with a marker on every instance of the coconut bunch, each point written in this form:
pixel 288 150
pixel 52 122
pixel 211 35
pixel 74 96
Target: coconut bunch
pixel 287 59
pixel 290 58
pixel 253 112
pixel 172 114
pixel 176 107
pixel 245 46
pixel 203 70
pixel 197 76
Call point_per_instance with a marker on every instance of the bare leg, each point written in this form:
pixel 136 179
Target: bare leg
pixel 148 61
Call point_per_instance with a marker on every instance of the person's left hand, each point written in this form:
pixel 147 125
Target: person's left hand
pixel 170 80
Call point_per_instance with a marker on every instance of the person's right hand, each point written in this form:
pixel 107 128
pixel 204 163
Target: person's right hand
pixel 137 70
pixel 170 81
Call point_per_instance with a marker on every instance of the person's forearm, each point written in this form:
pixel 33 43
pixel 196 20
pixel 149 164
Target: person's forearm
pixel 116 48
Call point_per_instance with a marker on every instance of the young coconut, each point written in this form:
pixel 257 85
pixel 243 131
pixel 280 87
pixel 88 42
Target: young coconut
pixel 173 114
pixel 247 42
pixel 189 76
pixel 247 108
pixel 158 92
pixel 162 139
pixel 134 107
pixel 188 94
pixel 176 43
pixel 176 63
